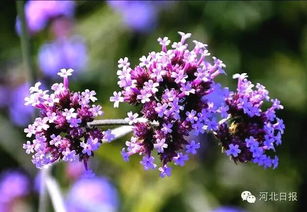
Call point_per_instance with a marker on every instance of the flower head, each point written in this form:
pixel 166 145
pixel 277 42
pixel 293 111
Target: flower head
pixel 101 195
pixel 38 13
pixel 171 87
pixel 61 131
pixel 251 132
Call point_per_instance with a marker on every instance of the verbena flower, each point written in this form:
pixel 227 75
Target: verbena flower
pixel 251 132
pixel 19 113
pixel 61 131
pixel 138 15
pixel 13 185
pixel 38 13
pixel 101 195
pixel 66 52
pixel 174 89
pixel 74 170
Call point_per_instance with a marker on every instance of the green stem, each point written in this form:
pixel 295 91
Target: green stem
pixel 31 78
pixel 25 43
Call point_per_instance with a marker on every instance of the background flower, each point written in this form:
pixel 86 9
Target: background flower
pixel 3 100
pixel 228 209
pixel 62 53
pixel 138 15
pixel 19 113
pixel 92 195
pixel 14 185
pixel 38 13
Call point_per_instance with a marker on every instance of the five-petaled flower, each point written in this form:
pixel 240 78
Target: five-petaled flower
pixel 233 150
pixel 116 98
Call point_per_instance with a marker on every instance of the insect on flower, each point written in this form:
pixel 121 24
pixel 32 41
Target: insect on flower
pixel 250 132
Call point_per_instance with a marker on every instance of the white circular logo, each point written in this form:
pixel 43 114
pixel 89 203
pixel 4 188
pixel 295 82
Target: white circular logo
pixel 247 196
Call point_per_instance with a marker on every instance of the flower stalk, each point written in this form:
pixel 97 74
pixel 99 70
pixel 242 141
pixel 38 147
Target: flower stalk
pixel 107 122
pixel 25 43
pixel 121 122
pixel 55 194
pixel 43 197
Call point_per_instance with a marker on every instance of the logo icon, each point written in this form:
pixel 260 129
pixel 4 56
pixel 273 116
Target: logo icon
pixel 248 196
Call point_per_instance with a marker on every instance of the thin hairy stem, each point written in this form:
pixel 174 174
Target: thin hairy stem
pixel 108 122
pixel 122 122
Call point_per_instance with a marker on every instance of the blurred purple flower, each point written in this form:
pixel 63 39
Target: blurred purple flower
pixel 75 170
pixel 3 96
pixel 93 194
pixel 19 113
pixel 13 184
pixel 62 53
pixel 62 27
pixel 138 15
pixel 228 209
pixel 38 13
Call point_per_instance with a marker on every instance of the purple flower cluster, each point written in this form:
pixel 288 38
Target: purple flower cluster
pixel 38 13
pixel 174 88
pixel 61 131
pixel 251 133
